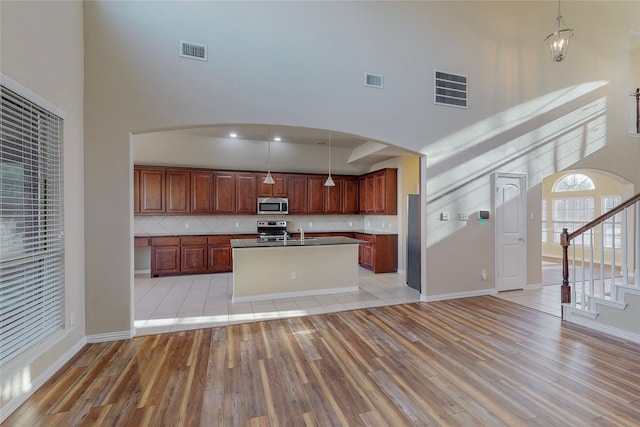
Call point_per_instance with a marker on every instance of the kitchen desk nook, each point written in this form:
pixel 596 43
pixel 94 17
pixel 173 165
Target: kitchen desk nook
pixel 294 267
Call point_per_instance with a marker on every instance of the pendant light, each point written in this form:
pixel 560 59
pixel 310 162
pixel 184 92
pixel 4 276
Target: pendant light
pixel 268 179
pixel 558 41
pixel 329 182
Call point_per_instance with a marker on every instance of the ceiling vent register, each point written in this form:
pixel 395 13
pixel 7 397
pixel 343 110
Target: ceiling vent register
pixel 193 51
pixel 450 89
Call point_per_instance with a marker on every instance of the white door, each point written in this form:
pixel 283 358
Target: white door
pixel 511 247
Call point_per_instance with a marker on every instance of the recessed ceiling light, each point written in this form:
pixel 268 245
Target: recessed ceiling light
pixel 233 135
pixel 277 138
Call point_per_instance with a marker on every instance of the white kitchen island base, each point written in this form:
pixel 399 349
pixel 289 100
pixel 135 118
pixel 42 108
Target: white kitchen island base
pixel 293 271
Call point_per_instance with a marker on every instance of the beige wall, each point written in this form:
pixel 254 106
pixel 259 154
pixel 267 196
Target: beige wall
pixel 42 50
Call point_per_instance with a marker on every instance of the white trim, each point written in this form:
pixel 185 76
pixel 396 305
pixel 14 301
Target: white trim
pixel 14 403
pixel 145 271
pixel 455 295
pixel 297 294
pixel 16 87
pixel 111 336
pixel 578 319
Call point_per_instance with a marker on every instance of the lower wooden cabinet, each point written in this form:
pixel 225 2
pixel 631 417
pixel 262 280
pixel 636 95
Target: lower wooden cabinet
pixel 194 255
pixel 165 256
pixel 219 254
pixel 380 253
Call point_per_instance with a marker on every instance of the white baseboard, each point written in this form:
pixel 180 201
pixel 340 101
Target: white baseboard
pixel 112 336
pixel 146 271
pixel 442 297
pixel 14 403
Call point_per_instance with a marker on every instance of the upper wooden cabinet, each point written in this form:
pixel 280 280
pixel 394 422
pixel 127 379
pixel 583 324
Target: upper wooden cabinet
pixel 315 194
pixel 178 191
pixel 224 183
pixel 297 193
pixel 277 189
pixel 202 191
pixel 246 193
pixel 350 193
pixel 379 192
pixel 334 196
pixel 151 191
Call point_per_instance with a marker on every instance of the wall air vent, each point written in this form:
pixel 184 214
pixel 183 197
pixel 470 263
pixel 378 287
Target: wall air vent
pixel 450 89
pixel 373 80
pixel 193 51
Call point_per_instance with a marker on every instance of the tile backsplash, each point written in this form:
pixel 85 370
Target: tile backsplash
pixel 195 224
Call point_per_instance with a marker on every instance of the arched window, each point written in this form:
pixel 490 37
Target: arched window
pixel 574 182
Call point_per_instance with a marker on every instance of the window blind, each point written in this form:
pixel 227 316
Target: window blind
pixel 31 225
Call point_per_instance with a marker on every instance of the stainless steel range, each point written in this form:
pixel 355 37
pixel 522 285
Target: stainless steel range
pixel 270 231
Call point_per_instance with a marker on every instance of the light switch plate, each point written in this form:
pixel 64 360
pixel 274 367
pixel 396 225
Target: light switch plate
pixel 444 216
pixel 463 216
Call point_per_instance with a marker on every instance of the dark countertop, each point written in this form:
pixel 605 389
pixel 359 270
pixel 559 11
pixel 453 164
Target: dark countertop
pixel 245 233
pixel 308 241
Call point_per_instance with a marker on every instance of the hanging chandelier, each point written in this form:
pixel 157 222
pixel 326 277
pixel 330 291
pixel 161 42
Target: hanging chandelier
pixel 558 41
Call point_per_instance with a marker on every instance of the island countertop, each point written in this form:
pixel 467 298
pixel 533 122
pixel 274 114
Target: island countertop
pixel 308 241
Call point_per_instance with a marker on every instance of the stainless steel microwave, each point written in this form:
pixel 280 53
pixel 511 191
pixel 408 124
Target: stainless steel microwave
pixel 273 205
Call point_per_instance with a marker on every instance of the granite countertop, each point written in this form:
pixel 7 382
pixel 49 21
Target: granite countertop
pixel 240 233
pixel 308 241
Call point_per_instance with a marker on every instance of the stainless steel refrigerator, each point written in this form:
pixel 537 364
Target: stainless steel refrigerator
pixel 413 241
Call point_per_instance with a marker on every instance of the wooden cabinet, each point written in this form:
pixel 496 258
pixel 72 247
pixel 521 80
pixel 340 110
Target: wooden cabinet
pixel 297 193
pixel 246 193
pixel 334 196
pixel 379 192
pixel 178 191
pixel 350 195
pixel 380 253
pixel 136 191
pixel 315 194
pixel 165 256
pixel 193 251
pixel 277 189
pixel 202 191
pixel 219 254
pixel 224 192
pixel 152 191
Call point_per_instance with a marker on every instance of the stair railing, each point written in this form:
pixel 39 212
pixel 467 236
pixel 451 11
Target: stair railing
pixel 576 296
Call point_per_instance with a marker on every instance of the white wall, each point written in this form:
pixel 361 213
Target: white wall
pixel 42 50
pixel 302 64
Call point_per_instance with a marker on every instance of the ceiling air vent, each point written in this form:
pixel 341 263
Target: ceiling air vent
pixel 193 51
pixel 450 89
pixel 373 80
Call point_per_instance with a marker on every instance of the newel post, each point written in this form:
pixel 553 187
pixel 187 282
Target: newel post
pixel 565 289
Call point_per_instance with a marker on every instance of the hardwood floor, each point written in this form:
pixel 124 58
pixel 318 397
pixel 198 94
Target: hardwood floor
pixel 474 361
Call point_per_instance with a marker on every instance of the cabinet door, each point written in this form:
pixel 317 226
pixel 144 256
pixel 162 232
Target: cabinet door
pixel 194 259
pixel 350 195
pixel 333 199
pixel 378 189
pixel 165 260
pixel 297 189
pixel 277 189
pixel 246 193
pixel 136 191
pixel 362 195
pixel 152 196
pixel 178 191
pixel 224 192
pixel 201 192
pixel 315 194
pixel 220 259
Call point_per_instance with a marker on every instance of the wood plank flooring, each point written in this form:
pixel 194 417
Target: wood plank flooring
pixel 467 362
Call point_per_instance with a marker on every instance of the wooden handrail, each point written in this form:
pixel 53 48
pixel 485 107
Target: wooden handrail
pixel 602 218
pixel 566 238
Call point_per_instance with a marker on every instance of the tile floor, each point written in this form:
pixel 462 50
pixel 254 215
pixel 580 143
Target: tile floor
pixel 170 304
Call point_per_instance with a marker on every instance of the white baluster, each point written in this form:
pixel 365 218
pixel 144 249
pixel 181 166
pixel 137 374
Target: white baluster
pixel 636 275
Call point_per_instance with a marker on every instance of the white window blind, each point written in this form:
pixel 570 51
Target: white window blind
pixel 31 225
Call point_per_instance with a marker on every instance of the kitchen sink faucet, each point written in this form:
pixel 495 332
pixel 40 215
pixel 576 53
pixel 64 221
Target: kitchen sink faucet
pixel 301 234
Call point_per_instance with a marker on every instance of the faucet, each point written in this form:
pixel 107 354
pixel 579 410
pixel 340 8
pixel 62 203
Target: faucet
pixel 285 237
pixel 301 234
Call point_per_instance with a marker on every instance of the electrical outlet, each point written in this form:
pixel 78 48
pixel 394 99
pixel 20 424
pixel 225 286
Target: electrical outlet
pixel 310 225
pixel 444 216
pixel 483 274
pixel 237 225
pixel 350 224
pixel 463 216
pixel 294 276
pixel 72 318
pixel 186 225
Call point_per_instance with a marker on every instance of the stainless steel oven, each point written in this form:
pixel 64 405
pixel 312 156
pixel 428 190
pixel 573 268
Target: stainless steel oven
pixel 273 205
pixel 272 230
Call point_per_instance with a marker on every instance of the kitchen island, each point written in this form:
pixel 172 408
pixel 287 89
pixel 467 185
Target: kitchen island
pixel 294 268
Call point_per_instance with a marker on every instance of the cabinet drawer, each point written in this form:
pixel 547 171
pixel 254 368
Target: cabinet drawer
pixel 165 241
pixel 139 242
pixel 193 240
pixel 219 240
